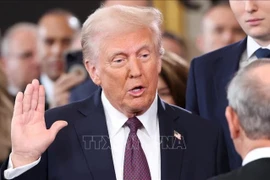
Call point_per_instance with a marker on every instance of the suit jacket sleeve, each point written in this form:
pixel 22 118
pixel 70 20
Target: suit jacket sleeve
pixel 38 172
pixel 191 94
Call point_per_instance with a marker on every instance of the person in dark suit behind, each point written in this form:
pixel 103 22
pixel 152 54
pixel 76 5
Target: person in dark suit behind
pixel 124 130
pixel 210 73
pixel 248 118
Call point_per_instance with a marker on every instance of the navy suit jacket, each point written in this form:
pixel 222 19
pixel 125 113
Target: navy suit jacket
pixel 83 90
pixel 73 155
pixel 207 88
pixel 258 169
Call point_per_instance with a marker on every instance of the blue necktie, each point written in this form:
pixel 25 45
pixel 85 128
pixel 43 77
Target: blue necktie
pixel 262 53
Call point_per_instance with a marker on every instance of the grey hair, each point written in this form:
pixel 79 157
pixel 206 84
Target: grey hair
pixel 7 38
pixel 249 96
pixel 118 19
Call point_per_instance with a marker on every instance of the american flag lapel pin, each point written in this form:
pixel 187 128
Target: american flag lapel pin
pixel 177 135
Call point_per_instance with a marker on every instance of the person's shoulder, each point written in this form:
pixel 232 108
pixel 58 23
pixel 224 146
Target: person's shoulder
pixel 189 119
pixel 227 176
pixel 210 58
pixel 67 112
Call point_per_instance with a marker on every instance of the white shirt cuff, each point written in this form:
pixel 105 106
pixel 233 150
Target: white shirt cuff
pixel 11 173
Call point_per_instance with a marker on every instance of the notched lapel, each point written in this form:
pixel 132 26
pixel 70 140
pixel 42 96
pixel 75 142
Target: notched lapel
pixel 94 139
pixel 226 66
pixel 172 149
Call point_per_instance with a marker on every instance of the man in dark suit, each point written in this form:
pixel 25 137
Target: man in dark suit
pixel 210 73
pixel 123 131
pixel 248 118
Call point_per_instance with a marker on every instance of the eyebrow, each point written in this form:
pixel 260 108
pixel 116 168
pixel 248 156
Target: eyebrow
pixel 123 53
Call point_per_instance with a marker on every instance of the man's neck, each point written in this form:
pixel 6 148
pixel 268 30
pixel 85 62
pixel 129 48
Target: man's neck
pixel 263 42
pixel 250 145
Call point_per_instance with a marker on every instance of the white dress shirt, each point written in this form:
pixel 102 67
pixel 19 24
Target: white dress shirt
pixel 249 54
pixel 256 154
pixel 148 135
pixel 48 86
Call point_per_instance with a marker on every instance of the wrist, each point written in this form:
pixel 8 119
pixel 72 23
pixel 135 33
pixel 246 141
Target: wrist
pixel 22 159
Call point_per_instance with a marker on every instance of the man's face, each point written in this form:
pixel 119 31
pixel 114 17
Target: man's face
pixel 253 17
pixel 21 63
pixel 219 29
pixel 127 70
pixel 56 34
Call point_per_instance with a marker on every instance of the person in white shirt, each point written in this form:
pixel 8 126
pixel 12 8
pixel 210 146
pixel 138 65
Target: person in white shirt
pixel 248 117
pixel 124 130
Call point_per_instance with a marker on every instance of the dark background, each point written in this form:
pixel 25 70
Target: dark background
pixel 24 10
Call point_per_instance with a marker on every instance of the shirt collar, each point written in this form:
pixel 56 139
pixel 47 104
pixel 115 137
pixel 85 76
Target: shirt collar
pixel 253 46
pixel 115 119
pixel 12 90
pixel 256 154
pixel 48 86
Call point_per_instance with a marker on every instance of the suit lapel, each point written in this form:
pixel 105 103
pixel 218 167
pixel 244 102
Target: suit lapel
pixel 226 66
pixel 94 139
pixel 171 153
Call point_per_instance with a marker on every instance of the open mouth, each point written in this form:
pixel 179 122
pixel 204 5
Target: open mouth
pixel 137 91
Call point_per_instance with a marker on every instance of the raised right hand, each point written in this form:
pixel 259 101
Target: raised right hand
pixel 29 135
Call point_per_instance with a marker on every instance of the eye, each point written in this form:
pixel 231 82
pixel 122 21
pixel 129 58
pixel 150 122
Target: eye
pixel 118 62
pixel 49 41
pixel 144 56
pixel 219 30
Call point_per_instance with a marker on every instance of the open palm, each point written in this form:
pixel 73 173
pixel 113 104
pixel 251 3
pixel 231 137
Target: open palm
pixel 29 135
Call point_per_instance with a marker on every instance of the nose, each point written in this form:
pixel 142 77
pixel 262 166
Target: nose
pixel 57 49
pixel 135 68
pixel 251 6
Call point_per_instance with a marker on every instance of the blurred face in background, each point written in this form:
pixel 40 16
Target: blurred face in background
pixel 21 63
pixel 219 29
pixel 56 33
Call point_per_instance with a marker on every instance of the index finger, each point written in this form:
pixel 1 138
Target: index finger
pixel 18 107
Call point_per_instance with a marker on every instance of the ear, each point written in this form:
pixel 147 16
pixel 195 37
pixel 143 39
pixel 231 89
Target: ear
pixel 159 64
pixel 233 122
pixel 200 42
pixel 92 71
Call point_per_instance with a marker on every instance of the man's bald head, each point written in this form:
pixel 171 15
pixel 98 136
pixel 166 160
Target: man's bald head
pixel 57 28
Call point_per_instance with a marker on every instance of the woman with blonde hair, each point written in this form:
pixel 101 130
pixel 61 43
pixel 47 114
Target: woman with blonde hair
pixel 6 108
pixel 173 79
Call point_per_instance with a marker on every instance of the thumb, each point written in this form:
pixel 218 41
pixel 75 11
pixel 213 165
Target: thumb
pixel 56 127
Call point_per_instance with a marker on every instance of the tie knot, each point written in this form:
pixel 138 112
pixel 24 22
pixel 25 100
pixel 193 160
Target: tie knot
pixel 262 53
pixel 134 124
